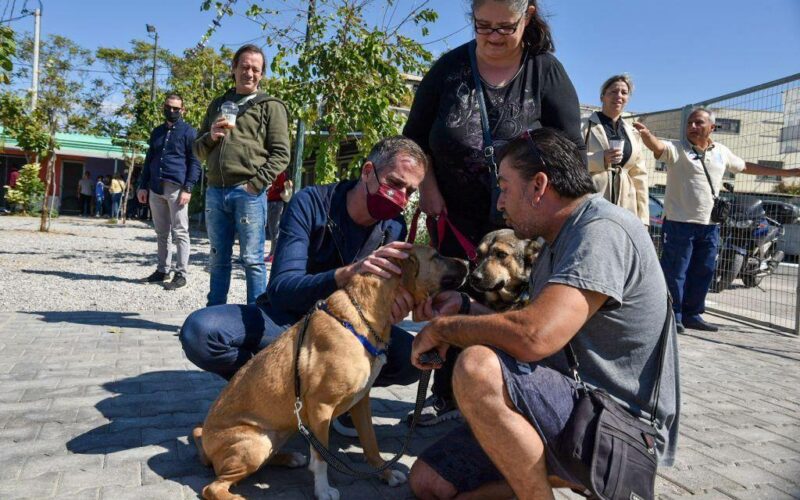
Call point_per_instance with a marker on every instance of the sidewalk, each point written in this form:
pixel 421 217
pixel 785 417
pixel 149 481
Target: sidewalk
pixel 99 405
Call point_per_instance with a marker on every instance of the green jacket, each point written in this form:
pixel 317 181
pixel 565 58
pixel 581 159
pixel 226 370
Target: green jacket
pixel 255 151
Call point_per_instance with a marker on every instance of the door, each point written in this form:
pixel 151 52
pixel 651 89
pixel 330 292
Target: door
pixel 71 173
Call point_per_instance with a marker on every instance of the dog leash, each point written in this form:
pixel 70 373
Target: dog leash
pixel 431 357
pixel 442 222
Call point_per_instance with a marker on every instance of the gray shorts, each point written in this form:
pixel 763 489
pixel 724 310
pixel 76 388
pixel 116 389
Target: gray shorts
pixel 545 397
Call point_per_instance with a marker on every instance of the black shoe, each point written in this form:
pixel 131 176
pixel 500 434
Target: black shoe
pixel 701 325
pixel 178 281
pixel 679 327
pixel 156 277
pixel 343 424
pixel 436 410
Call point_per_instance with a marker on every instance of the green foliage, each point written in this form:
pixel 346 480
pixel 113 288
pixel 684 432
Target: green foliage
pixel 785 187
pixel 29 191
pixel 344 81
pixel 27 128
pixel 7 48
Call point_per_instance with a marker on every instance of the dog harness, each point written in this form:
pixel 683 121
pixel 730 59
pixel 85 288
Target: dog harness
pixel 369 346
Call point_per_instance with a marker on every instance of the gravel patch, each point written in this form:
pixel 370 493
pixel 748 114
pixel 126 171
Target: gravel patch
pixel 87 264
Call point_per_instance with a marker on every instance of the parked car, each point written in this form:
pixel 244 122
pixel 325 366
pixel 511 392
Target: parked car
pixel 656 220
pixel 781 211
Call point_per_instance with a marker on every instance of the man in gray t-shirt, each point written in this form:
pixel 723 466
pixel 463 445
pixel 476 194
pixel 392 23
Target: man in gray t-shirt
pixel 598 285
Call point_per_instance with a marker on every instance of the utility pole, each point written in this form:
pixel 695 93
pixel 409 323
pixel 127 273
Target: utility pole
pixel 299 142
pixel 37 20
pixel 152 29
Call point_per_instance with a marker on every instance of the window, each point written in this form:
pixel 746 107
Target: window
pixel 728 126
pixel 661 166
pixel 773 164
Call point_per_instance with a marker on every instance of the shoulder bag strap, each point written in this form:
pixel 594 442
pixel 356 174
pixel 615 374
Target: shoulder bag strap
pixel 572 360
pixel 488 147
pixel 588 130
pixel 702 158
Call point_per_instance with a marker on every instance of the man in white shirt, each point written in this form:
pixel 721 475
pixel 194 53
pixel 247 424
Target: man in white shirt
pixel 690 238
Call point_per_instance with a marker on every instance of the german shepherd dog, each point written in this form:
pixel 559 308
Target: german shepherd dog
pixel 504 267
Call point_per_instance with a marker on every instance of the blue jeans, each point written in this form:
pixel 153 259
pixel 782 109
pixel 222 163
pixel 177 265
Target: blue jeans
pixel 688 258
pixel 116 198
pixel 221 339
pixel 98 206
pixel 230 211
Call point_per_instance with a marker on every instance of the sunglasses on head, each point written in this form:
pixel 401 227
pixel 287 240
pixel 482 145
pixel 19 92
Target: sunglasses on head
pixel 536 152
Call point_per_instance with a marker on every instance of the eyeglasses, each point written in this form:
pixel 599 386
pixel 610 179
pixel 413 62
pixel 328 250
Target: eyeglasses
pixel 171 108
pixel 535 151
pixel 502 30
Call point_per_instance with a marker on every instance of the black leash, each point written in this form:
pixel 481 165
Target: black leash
pixel 334 461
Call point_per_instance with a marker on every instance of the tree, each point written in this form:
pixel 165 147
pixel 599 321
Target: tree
pixel 7 48
pixel 29 189
pixel 64 101
pixel 346 80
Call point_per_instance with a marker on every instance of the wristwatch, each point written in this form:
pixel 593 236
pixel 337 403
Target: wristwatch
pixel 466 305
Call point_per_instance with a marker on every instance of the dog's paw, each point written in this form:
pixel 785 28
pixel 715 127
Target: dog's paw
pixel 326 493
pixel 296 460
pixel 394 477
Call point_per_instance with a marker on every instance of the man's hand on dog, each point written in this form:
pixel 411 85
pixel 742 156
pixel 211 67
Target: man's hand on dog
pixel 377 263
pixel 442 304
pixel 403 304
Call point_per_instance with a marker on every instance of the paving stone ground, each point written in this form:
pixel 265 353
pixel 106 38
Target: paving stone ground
pixel 99 405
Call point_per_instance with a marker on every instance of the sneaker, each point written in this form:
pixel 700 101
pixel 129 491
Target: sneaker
pixel 679 327
pixel 343 424
pixel 179 280
pixel 435 410
pixel 156 277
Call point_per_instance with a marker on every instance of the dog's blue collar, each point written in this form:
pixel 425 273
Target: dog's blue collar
pixel 369 346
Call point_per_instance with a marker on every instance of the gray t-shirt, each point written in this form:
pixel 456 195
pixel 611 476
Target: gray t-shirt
pixel 606 249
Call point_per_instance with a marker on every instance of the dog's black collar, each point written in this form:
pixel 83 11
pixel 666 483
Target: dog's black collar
pixel 369 346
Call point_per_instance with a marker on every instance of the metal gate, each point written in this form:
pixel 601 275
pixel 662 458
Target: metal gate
pixel 760 124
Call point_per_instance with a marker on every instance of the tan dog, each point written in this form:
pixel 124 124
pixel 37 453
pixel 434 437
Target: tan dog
pixel 253 415
pixel 504 267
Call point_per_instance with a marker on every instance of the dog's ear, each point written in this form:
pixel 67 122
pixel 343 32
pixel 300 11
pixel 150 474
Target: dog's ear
pixel 483 248
pixel 532 249
pixel 410 267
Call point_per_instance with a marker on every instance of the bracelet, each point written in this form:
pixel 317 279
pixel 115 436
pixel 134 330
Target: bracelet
pixel 466 305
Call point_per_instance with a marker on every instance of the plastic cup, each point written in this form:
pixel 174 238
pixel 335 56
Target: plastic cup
pixel 617 144
pixel 229 110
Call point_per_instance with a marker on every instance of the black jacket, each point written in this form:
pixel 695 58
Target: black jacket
pixel 170 158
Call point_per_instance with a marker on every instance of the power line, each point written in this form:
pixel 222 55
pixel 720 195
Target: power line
pixel 447 36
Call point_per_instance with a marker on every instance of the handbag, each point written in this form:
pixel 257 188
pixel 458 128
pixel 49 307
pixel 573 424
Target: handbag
pixel 609 450
pixel 722 208
pixel 495 215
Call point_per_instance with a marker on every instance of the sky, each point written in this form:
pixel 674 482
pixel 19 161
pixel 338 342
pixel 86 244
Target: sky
pixel 677 51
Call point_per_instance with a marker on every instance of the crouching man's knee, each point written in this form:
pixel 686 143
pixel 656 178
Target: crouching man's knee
pixel 477 374
pixel 426 483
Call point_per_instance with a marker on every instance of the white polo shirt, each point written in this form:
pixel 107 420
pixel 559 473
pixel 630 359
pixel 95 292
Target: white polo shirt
pixel 688 197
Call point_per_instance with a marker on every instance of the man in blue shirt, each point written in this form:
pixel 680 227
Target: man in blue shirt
pixel 170 171
pixel 328 234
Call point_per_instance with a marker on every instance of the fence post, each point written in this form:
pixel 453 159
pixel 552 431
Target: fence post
pixel 797 306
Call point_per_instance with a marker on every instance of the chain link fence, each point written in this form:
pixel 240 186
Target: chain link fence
pixel 757 267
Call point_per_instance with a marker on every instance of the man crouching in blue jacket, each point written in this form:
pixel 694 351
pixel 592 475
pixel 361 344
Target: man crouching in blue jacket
pixel 328 234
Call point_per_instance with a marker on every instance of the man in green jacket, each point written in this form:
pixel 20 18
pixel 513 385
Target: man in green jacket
pixel 243 156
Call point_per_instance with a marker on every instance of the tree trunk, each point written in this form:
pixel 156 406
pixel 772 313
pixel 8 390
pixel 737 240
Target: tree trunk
pixel 127 187
pixel 44 224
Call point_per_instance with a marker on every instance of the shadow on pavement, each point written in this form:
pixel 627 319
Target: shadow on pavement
pixel 152 415
pixel 80 276
pixel 102 318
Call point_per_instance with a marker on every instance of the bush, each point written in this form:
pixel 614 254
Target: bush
pixel 29 191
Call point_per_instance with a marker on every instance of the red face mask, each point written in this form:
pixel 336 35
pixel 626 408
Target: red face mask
pixel 387 202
